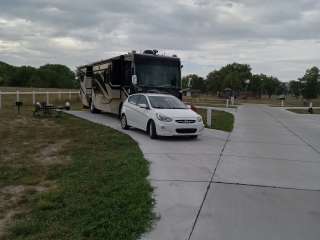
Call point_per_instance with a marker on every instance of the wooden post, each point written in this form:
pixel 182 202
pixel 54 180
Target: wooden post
pixel 47 98
pixel 227 103
pixel 209 117
pixel 282 103
pixel 33 98
pixel 70 95
pixel 18 96
pixel 232 100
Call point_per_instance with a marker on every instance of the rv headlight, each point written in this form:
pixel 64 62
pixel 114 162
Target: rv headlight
pixel 199 119
pixel 163 118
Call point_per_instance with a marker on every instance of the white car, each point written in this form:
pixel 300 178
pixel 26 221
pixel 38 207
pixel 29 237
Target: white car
pixel 160 115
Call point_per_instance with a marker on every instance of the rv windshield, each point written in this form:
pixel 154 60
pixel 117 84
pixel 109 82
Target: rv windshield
pixel 160 75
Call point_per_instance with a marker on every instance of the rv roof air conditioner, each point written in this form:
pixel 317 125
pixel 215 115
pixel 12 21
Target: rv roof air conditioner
pixel 151 52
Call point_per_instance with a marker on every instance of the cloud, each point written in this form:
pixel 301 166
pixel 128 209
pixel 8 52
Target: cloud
pixel 276 37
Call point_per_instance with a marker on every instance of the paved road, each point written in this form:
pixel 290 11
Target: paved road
pixel 261 182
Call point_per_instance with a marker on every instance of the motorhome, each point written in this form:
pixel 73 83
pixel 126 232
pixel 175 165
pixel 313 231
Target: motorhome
pixel 106 84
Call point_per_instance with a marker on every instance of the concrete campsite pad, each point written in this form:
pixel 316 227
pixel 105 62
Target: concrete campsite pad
pixel 266 178
pixel 250 213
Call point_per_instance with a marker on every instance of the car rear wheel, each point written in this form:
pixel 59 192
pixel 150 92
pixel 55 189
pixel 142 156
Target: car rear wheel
pixel 152 130
pixel 124 123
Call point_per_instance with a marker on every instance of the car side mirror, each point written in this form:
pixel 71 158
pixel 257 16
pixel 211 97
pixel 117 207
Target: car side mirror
pixel 143 105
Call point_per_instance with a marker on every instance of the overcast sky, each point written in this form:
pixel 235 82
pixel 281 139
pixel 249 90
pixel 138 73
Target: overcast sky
pixel 276 37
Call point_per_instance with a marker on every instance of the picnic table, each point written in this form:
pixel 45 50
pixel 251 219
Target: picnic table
pixel 43 109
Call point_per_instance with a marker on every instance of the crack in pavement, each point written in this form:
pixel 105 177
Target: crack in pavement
pixel 291 131
pixel 270 158
pixel 208 187
pixel 265 186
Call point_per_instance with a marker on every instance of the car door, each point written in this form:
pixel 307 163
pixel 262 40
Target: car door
pixel 131 110
pixel 142 112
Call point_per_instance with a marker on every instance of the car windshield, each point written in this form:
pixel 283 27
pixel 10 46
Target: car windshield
pixel 166 102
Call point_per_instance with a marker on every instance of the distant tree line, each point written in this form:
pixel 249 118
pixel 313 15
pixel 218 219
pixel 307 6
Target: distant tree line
pixel 239 79
pixel 307 86
pixel 46 76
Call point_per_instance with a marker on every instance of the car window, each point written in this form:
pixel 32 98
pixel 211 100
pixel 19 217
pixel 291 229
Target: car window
pixel 133 99
pixel 142 100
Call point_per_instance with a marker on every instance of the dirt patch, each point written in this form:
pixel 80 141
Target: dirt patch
pixel 21 121
pixel 51 153
pixel 5 221
pixel 11 202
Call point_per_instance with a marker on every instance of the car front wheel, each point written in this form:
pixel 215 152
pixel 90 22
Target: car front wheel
pixel 124 123
pixel 152 130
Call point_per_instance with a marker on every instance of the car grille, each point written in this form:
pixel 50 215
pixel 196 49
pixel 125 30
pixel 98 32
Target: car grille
pixel 186 130
pixel 185 121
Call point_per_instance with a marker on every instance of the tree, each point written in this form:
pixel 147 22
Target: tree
pixel 269 84
pixel 231 76
pixel 214 82
pixel 196 82
pixel 50 75
pixel 185 82
pixel 282 89
pixel 255 85
pixel 294 88
pixel 310 83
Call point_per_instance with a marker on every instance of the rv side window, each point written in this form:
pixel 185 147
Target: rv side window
pixel 133 99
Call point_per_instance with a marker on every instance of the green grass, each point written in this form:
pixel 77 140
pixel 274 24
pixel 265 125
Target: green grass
pixel 303 111
pixel 214 101
pixel 208 101
pixel 9 101
pixel 95 179
pixel 221 120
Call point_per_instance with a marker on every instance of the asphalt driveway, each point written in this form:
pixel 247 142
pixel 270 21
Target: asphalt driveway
pixel 260 182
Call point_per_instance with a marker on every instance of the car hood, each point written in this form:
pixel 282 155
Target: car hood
pixel 178 113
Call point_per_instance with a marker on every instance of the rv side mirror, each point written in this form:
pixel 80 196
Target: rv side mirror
pixel 134 79
pixel 143 105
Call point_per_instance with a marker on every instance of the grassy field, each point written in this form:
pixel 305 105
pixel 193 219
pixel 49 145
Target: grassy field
pixel 27 89
pixel 289 102
pixel 213 101
pixel 9 101
pixel 207 101
pixel 221 120
pixel 66 178
pixel 304 111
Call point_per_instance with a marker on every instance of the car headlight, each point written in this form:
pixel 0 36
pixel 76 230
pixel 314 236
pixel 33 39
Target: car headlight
pixel 163 118
pixel 199 119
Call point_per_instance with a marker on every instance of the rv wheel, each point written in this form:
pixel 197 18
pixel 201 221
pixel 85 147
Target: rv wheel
pixel 93 108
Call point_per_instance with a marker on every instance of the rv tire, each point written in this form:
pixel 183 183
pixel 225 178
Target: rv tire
pixel 93 108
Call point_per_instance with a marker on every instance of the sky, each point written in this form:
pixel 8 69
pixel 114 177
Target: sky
pixel 276 37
